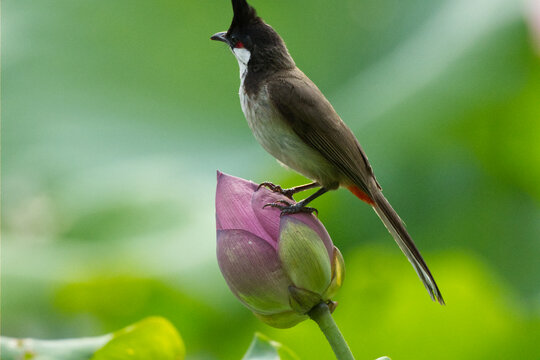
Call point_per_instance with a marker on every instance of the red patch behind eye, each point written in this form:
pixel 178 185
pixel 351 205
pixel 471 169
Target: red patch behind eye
pixel 239 45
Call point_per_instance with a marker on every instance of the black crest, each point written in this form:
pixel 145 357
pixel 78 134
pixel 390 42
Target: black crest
pixel 244 14
pixel 268 51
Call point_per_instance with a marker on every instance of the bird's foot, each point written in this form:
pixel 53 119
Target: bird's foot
pixel 289 209
pixel 278 189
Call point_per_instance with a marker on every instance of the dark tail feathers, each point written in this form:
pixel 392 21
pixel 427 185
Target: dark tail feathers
pixel 396 227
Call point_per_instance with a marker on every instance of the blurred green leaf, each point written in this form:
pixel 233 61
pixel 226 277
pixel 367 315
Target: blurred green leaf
pixel 152 338
pixel 262 348
pixel 33 349
pixel 129 298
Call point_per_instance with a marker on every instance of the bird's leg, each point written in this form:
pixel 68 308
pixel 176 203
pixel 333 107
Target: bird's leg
pixel 288 192
pixel 287 208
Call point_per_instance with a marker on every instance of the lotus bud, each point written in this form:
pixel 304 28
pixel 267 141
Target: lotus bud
pixel 277 266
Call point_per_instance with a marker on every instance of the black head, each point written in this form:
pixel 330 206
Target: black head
pixel 248 31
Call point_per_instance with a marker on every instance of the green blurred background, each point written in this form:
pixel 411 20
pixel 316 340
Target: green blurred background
pixel 117 114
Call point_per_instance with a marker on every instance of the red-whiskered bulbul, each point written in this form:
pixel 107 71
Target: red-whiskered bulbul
pixel 295 123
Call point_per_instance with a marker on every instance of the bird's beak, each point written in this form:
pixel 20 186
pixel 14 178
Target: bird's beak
pixel 220 36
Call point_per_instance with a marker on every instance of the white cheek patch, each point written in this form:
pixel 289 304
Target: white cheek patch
pixel 242 55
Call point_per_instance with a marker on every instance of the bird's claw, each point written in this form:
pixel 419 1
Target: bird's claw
pixel 289 209
pixel 277 189
pixel 295 209
pixel 279 204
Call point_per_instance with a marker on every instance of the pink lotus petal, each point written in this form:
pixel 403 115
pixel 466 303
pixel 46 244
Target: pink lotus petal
pixel 251 267
pixel 268 217
pixel 233 206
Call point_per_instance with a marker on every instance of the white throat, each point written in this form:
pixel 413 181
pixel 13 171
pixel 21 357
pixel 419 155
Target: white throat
pixel 242 55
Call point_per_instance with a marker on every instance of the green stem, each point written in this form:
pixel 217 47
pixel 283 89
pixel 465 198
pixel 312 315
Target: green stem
pixel 321 315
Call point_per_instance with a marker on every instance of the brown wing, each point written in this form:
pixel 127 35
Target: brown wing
pixel 315 121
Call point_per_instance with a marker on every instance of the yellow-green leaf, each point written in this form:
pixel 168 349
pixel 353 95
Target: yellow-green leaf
pixel 151 338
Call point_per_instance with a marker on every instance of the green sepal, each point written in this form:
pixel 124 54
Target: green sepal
pixel 283 320
pixel 302 300
pixel 338 275
pixel 304 256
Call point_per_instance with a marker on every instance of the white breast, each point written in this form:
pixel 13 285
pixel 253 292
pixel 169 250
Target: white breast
pixel 278 138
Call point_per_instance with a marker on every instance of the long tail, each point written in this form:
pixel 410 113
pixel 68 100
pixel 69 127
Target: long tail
pixel 396 227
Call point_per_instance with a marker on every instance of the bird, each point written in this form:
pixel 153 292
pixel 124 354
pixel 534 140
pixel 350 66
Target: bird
pixel 294 122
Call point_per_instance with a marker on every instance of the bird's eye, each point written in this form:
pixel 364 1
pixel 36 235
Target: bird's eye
pixel 236 43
